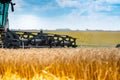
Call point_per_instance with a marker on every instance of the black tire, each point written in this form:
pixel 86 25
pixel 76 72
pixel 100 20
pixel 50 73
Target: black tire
pixel 74 46
pixel 118 46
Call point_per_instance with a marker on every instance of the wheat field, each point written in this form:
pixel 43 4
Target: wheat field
pixel 60 64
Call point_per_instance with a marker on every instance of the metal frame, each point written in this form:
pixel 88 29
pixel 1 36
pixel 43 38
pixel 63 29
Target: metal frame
pixel 19 39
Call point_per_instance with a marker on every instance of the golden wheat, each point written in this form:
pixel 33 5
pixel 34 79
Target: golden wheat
pixel 60 64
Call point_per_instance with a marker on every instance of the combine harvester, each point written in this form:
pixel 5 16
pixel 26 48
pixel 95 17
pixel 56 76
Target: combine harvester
pixel 27 39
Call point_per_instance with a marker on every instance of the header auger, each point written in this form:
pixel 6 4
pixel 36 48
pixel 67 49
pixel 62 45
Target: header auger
pixel 26 39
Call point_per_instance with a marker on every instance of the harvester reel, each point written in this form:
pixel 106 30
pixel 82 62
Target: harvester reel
pixel 17 39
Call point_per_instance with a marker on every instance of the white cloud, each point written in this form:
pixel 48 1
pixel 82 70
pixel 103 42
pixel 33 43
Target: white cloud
pixel 44 8
pixel 24 22
pixel 113 1
pixel 91 7
pixel 73 22
pixel 67 3
pixel 92 22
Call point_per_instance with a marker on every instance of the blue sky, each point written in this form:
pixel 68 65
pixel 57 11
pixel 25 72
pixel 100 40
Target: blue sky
pixel 73 14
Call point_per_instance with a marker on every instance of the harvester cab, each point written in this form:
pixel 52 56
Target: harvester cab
pixel 4 6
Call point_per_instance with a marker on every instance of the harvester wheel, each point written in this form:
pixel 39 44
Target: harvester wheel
pixel 118 46
pixel 68 46
pixel 11 44
pixel 50 43
pixel 74 46
pixel 11 40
